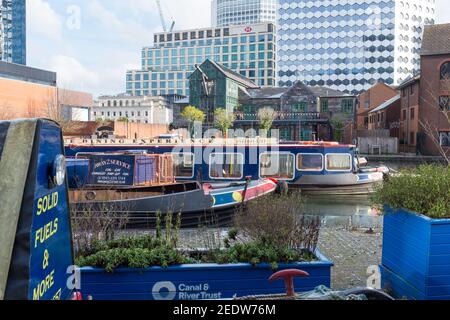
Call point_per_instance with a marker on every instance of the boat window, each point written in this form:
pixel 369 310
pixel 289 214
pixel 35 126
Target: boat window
pixel 183 165
pixel 226 166
pixel 309 162
pixel 339 162
pixel 277 165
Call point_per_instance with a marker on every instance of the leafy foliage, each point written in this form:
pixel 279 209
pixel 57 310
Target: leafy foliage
pixel 291 241
pixel 424 190
pixel 266 117
pixel 277 220
pixel 193 114
pixel 223 120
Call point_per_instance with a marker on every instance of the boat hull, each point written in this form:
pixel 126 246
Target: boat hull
pixel 202 204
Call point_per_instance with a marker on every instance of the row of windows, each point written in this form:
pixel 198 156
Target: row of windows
pixel 163 92
pixel 206 50
pixel 277 165
pixel 120 113
pixel 219 41
pixel 199 59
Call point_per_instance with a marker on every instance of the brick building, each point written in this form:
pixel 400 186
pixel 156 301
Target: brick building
pixel 387 117
pixel 27 92
pixel 302 112
pixel 371 99
pixel 425 99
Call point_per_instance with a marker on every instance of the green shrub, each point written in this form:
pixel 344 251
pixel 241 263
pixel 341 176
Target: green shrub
pixel 424 190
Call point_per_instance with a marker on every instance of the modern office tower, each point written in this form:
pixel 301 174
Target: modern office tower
pixel 166 66
pixel 239 12
pixel 13 31
pixel 350 45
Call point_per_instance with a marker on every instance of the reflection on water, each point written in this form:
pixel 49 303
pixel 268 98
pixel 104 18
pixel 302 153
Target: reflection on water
pixel 343 211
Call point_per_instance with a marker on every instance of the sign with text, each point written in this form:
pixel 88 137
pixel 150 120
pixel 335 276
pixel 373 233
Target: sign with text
pixel 42 254
pixel 111 170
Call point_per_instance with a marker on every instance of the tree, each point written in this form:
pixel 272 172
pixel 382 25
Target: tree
pixel 192 114
pixel 223 120
pixel 338 130
pixel 266 117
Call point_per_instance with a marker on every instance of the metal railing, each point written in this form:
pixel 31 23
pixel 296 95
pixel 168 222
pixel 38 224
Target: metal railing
pixel 241 116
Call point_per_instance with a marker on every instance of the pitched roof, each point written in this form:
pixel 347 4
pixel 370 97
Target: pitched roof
pixel 436 40
pixel 408 81
pixel 386 104
pixel 278 92
pixel 268 92
pixel 244 81
pixel 327 92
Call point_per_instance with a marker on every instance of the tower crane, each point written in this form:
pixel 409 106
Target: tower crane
pixel 163 20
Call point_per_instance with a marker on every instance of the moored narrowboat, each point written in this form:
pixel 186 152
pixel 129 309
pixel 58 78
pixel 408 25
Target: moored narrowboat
pixel 314 167
pixel 141 186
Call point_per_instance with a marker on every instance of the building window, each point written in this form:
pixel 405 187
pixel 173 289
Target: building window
pixel 226 165
pixel 445 71
pixel 277 165
pixel 323 105
pixel 444 103
pixel 338 162
pixel 444 139
pixel 404 114
pixel 412 113
pixel 347 105
pixel 309 162
pixel 300 107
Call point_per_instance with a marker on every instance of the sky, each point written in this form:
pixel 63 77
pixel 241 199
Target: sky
pixel 91 43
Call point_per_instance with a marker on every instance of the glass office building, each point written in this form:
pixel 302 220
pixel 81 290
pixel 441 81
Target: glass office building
pixel 350 45
pixel 166 66
pixel 13 31
pixel 239 12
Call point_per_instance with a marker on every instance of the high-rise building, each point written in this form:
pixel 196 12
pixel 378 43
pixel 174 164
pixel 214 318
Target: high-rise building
pixel 13 31
pixel 350 45
pixel 166 66
pixel 240 12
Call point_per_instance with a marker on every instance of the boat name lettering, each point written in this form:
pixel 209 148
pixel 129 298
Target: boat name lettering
pixel 113 162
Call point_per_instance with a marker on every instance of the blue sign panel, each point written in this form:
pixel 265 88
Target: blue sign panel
pixel 51 244
pixel 116 170
pixel 42 259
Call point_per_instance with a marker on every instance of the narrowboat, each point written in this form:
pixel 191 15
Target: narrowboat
pixel 141 186
pixel 314 167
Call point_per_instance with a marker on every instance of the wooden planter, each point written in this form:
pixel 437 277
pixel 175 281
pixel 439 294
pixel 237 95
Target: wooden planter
pixel 198 281
pixel 416 256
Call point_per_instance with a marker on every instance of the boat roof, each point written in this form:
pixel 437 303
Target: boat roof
pixel 201 142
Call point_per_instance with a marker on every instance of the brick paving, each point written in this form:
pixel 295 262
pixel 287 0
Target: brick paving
pixel 352 252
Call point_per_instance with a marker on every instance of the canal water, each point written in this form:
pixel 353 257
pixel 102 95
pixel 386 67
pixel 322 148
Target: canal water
pixel 349 211
pixel 343 211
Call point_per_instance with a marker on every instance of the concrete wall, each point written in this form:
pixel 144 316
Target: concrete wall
pixel 387 145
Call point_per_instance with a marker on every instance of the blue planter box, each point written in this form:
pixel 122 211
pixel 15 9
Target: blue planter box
pixel 416 256
pixel 198 281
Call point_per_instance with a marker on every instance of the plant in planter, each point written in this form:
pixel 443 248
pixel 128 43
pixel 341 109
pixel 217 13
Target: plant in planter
pixel 416 237
pixel 153 267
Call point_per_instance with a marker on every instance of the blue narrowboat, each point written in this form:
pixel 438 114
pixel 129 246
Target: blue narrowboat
pixel 314 167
